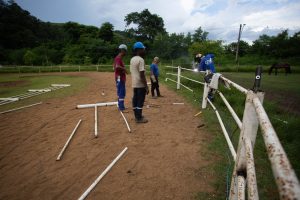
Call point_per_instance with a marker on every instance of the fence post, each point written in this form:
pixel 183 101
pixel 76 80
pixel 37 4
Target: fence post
pixel 205 94
pixel 248 133
pixel 178 77
pixel 59 68
pixel 79 68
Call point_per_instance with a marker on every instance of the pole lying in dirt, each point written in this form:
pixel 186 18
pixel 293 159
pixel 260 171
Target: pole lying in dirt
pixel 126 122
pixel 86 193
pixel 96 122
pixel 97 104
pixel 7 111
pixel 68 141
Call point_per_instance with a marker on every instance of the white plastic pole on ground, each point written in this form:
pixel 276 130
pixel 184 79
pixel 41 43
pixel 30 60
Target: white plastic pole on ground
pixel 7 111
pixel 96 122
pixel 9 99
pixel 86 193
pixel 39 90
pixel 60 85
pixel 178 103
pixel 97 104
pixel 68 141
pixel 126 122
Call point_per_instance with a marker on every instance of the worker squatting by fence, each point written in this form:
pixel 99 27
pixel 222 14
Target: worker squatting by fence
pixel 244 175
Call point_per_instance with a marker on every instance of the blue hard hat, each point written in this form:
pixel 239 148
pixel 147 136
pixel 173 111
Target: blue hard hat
pixel 138 45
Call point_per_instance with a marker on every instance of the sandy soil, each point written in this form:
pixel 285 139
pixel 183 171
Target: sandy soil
pixel 163 160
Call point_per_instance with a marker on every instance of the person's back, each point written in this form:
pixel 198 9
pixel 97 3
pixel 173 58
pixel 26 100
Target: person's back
pixel 139 82
pixel 210 63
pixel 137 64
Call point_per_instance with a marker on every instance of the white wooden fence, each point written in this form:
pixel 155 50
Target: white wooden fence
pixel 244 176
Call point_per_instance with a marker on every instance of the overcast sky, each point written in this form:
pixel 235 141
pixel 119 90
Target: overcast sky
pixel 221 18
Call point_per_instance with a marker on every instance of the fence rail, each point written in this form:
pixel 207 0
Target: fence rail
pixel 244 175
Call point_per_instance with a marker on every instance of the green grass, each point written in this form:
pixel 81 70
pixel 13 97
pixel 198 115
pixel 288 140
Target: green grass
pixel 282 86
pixel 39 82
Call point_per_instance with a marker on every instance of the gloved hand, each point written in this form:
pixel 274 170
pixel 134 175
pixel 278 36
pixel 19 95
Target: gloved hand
pixel 153 78
pixel 147 89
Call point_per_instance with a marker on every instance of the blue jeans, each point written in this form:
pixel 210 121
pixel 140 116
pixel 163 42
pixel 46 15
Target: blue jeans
pixel 121 92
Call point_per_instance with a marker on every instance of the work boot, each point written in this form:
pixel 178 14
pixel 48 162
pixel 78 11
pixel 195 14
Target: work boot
pixel 141 120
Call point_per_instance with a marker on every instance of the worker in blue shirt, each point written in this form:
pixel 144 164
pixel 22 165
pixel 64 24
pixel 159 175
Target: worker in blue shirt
pixel 207 63
pixel 154 73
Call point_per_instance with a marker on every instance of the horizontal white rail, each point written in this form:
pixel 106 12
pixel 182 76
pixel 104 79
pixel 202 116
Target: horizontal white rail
pixel 171 67
pixel 234 115
pixel 97 104
pixel 237 86
pixel 286 180
pixel 186 87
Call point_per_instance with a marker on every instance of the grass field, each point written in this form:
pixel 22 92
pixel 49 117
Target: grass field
pixel 282 96
pixel 35 81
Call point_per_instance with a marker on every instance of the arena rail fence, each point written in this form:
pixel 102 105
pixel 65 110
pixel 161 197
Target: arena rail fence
pixel 244 175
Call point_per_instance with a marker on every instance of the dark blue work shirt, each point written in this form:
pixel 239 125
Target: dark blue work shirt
pixel 154 69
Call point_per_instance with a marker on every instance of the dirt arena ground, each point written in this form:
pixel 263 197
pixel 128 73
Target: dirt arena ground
pixel 163 160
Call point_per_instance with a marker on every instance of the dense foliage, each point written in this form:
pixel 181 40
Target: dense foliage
pixel 24 39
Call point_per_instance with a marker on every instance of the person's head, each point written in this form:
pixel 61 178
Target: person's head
pixel 156 60
pixel 139 49
pixel 123 49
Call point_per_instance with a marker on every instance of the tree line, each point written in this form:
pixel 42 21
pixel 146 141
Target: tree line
pixel 26 40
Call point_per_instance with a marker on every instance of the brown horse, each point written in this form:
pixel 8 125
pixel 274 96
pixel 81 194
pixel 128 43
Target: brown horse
pixel 277 66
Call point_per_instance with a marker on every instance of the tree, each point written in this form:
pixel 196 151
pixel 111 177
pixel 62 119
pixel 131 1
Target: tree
pixel 206 47
pixel 243 49
pixel 148 25
pixel 29 57
pixel 200 35
pixel 106 32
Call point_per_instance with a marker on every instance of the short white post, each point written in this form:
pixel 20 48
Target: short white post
pixel 86 193
pixel 205 94
pixel 68 141
pixel 96 122
pixel 178 77
pixel 248 132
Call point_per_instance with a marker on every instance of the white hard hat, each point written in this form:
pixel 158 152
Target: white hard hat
pixel 123 46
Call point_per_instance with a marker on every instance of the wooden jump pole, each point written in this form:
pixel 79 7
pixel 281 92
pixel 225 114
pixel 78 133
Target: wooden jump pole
pixel 68 141
pixel 86 193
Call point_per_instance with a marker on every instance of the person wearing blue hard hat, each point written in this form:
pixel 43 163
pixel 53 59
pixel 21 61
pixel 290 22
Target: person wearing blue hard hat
pixel 139 82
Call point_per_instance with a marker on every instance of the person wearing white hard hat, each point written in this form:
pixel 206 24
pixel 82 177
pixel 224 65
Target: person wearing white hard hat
pixel 120 76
